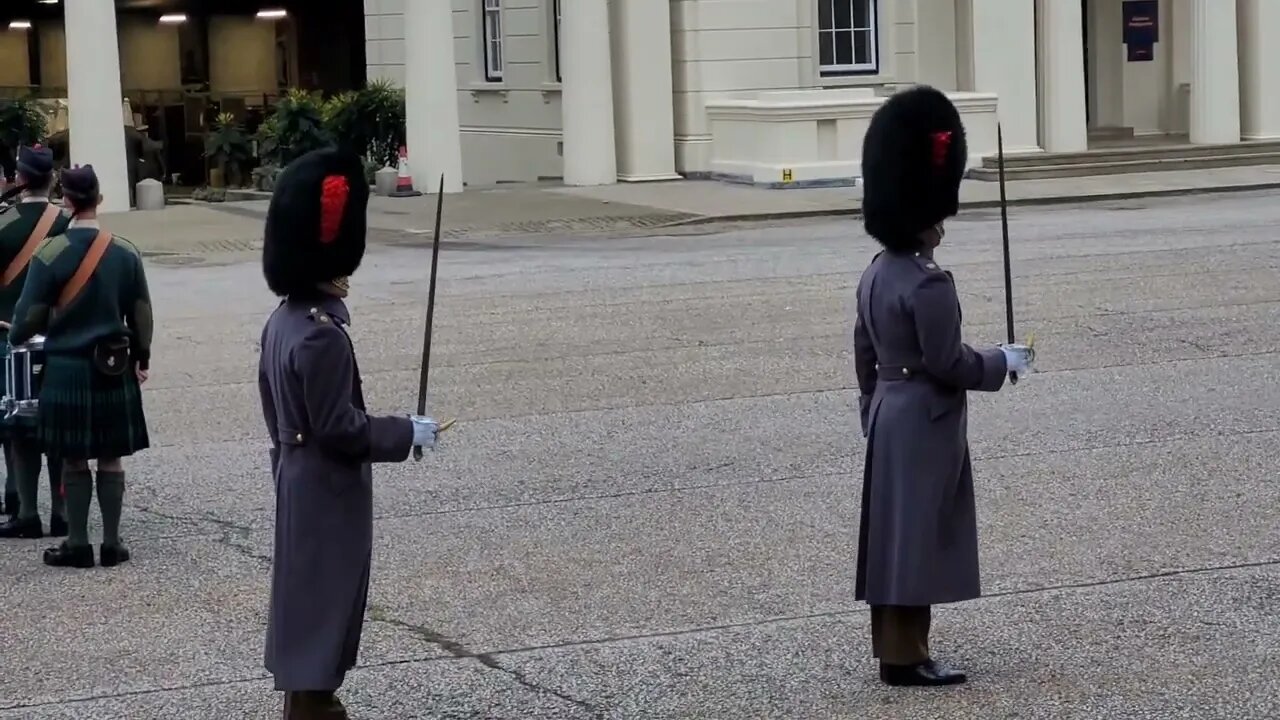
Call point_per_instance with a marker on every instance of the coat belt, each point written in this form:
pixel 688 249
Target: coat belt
pixel 891 373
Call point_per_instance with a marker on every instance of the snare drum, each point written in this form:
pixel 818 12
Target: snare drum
pixel 23 371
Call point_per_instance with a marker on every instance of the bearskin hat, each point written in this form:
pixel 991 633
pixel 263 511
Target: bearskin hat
pixel 913 158
pixel 316 222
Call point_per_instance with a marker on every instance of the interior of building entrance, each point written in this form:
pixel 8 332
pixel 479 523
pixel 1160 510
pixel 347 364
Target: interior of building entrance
pixel 1135 96
pixel 185 62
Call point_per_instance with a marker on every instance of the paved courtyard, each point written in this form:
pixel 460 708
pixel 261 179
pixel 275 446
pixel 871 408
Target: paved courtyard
pixel 648 508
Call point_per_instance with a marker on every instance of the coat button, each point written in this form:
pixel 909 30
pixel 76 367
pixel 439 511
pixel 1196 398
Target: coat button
pixel 906 371
pixel 315 310
pixel 323 318
pixel 298 437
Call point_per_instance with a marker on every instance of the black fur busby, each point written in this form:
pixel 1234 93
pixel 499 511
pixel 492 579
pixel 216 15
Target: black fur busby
pixel 316 223
pixel 913 158
pixel 80 186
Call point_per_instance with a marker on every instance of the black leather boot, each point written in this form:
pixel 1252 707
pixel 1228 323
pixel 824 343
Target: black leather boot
pixel 925 674
pixel 314 705
pixel 69 556
pixel 17 529
pixel 113 555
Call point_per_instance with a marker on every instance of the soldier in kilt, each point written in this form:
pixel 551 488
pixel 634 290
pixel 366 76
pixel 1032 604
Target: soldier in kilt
pixel 97 352
pixel 22 228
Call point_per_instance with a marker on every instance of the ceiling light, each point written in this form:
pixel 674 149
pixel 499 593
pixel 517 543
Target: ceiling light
pixel 274 14
pixel 173 18
pixel 20 25
pixel 48 2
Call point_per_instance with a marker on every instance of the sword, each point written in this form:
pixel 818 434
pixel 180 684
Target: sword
pixel 1004 228
pixel 431 307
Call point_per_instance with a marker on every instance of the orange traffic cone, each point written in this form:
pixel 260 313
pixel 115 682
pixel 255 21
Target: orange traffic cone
pixel 404 181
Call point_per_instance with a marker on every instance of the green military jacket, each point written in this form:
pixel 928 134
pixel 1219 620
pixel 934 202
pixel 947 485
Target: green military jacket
pixel 115 301
pixel 16 225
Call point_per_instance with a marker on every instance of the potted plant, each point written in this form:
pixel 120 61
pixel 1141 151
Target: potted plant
pixel 228 148
pixel 295 128
pixel 382 106
pixel 370 122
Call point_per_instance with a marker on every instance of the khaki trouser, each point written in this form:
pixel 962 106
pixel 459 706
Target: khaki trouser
pixel 900 634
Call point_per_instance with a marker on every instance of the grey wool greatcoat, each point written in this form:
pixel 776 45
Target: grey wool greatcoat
pixel 322 444
pixel 918 540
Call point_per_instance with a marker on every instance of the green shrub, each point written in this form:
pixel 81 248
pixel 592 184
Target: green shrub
pixel 22 122
pixel 369 121
pixel 295 128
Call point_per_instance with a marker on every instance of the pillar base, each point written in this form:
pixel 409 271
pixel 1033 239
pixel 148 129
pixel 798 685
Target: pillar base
pixel 649 178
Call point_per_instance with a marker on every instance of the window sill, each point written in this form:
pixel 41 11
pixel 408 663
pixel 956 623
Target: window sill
pixel 854 79
pixel 550 89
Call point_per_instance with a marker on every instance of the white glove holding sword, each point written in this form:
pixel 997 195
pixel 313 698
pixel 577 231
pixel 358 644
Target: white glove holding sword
pixel 427 431
pixel 1020 359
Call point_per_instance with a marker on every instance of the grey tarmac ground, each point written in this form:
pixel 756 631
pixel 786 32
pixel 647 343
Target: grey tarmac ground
pixel 648 508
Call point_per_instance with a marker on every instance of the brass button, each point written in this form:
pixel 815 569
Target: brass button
pixel 299 437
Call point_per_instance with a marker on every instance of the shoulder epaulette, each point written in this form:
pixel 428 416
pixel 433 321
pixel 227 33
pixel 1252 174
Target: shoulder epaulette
pixel 319 315
pixel 51 248
pixel 126 244
pixel 9 215
pixel 927 264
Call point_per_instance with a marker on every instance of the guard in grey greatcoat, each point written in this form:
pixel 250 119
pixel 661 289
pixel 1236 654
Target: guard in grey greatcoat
pixel 918 540
pixel 322 440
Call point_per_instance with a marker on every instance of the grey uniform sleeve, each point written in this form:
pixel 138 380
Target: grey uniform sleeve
pixel 864 365
pixel 946 358
pixel 268 403
pixel 324 361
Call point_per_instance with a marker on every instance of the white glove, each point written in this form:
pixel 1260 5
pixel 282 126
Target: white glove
pixel 425 431
pixel 1019 358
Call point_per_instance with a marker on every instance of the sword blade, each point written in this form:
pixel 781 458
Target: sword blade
pixel 431 307
pixel 1004 230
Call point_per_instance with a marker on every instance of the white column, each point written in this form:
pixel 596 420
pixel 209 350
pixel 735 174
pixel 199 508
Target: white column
pixel 1259 23
pixel 96 122
pixel 431 96
pixel 1001 44
pixel 1215 73
pixel 586 96
pixel 642 95
pixel 1062 108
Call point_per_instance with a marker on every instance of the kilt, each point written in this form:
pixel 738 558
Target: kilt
pixel 84 414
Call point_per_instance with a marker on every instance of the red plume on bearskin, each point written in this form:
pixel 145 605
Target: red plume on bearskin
pixel 316 223
pixel 913 158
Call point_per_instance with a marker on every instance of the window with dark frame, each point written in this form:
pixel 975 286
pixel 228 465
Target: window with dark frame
pixel 847 43
pixel 555 31
pixel 492 24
